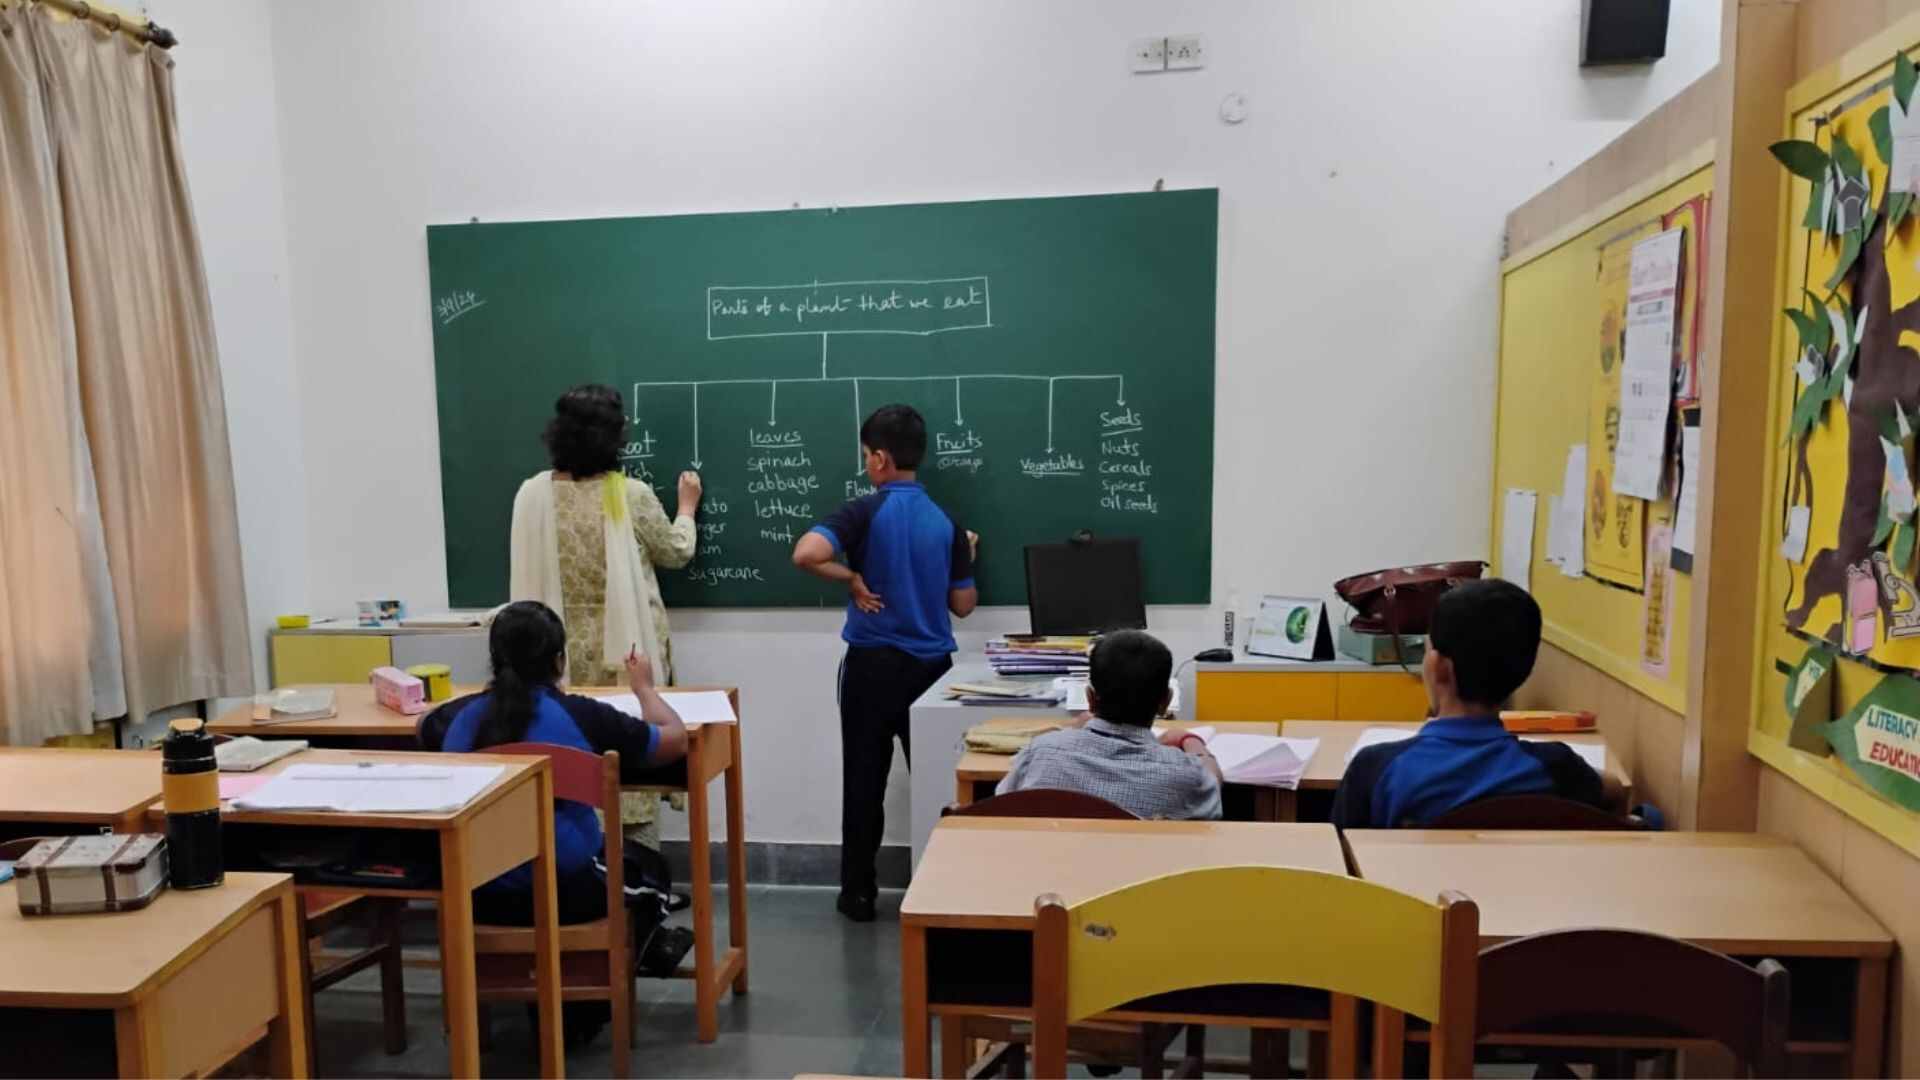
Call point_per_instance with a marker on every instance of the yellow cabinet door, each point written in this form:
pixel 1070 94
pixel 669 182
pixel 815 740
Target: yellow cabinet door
pixel 1264 695
pixel 1382 696
pixel 300 659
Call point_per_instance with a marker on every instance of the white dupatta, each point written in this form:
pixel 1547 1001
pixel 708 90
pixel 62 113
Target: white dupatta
pixel 535 565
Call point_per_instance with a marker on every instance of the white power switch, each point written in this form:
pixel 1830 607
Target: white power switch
pixel 1148 54
pixel 1187 52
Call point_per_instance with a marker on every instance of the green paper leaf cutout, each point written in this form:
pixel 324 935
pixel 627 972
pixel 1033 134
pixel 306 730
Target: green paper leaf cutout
pixel 1849 254
pixel 1807 409
pixel 1825 340
pixel 1866 222
pixel 1847 159
pixel 1881 124
pixel 1903 548
pixel 1802 158
pixel 1904 76
pixel 1898 204
pixel 1879 739
pixel 1890 427
pixel 1803 324
pixel 1883 526
pixel 1816 206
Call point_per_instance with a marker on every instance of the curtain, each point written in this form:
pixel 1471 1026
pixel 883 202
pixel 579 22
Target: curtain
pixel 60 660
pixel 145 367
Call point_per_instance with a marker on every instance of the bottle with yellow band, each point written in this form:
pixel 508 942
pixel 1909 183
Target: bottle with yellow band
pixel 190 791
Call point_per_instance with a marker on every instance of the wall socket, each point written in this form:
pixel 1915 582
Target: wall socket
pixel 1186 52
pixel 1148 54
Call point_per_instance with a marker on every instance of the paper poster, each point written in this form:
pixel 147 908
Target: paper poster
pixel 1572 520
pixel 1656 616
pixel 1556 535
pixel 1613 526
pixel 1810 700
pixel 1691 218
pixel 1290 628
pixel 1686 511
pixel 1646 379
pixel 1879 739
pixel 1516 537
pixel 1904 175
pixel 1793 547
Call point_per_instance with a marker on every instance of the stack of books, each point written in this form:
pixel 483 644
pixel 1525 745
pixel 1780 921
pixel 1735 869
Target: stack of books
pixel 1039 655
pixel 1020 693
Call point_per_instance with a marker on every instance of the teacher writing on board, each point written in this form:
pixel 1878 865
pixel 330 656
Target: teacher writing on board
pixel 586 538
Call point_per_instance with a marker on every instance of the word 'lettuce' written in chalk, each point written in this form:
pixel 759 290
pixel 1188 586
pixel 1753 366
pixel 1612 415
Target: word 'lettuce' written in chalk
pixel 849 307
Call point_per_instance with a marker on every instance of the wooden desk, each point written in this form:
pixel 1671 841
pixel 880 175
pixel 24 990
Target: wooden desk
pixel 984 874
pixel 108 788
pixel 509 823
pixel 712 753
pixel 192 980
pixel 1740 893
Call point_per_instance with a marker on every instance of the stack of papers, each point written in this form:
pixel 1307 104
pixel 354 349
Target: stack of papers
pixel 1073 694
pixel 1029 693
pixel 293 703
pixel 1039 656
pixel 1259 760
pixel 1594 754
pixel 696 707
pixel 372 788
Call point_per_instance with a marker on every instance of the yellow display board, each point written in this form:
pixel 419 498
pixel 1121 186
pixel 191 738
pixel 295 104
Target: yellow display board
pixel 1562 313
pixel 1848 582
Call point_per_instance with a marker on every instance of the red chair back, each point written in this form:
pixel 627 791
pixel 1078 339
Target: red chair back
pixel 1043 803
pixel 1531 812
pixel 577 774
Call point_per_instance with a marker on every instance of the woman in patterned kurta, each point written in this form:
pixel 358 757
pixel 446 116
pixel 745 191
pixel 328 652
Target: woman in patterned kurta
pixel 584 441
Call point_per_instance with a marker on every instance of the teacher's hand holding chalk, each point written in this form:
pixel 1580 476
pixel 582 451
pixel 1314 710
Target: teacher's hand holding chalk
pixel 690 491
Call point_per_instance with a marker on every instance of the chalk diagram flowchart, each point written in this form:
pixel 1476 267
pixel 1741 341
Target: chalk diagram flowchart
pixel 826 309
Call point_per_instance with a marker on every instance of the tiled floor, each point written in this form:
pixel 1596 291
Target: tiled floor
pixel 825 999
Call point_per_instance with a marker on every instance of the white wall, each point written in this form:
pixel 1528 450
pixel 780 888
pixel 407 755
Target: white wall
pixel 1361 211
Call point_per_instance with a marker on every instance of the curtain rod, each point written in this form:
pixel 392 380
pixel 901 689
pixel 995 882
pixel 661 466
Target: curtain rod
pixel 140 29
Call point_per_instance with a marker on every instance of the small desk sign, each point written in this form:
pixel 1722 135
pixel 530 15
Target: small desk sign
pixel 1291 628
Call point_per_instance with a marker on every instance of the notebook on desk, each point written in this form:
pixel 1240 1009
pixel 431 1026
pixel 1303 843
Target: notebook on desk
pixel 372 788
pixel 696 707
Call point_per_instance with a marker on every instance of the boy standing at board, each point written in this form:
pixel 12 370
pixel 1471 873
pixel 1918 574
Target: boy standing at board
pixel 908 568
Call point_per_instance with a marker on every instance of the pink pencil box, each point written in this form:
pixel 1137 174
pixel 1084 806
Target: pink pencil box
pixel 399 691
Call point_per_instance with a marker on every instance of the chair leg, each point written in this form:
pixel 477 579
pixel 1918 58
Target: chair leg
pixel 485 1013
pixel 393 989
pixel 306 985
pixel 1152 1062
pixel 620 990
pixel 1017 1062
pixel 1195 1061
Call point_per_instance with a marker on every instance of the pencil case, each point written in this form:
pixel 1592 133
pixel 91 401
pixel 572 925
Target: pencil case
pixel 69 875
pixel 399 691
pixel 1547 721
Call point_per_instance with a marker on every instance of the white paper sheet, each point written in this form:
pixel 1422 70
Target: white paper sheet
pixel 1376 736
pixel 1516 537
pixel 696 707
pixel 1904 173
pixel 1594 754
pixel 1573 510
pixel 1686 512
pixel 1799 520
pixel 1646 375
pixel 1555 533
pixel 1266 760
pixel 1656 608
pixel 372 788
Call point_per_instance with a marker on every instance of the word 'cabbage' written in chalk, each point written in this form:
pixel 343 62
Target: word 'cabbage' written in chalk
pixel 455 304
pixel 849 307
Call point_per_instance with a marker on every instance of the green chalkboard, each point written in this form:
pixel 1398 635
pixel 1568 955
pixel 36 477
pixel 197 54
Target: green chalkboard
pixel 1061 350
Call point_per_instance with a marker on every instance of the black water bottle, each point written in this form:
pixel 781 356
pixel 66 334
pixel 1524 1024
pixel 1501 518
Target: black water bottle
pixel 190 790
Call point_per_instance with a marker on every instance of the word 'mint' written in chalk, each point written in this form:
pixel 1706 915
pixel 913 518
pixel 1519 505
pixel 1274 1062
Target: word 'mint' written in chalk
pixel 848 307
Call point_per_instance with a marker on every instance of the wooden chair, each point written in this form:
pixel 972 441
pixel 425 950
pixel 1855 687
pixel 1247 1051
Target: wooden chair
pixel 1111 956
pixel 1042 803
pixel 1532 812
pixel 596 958
pixel 320 913
pixel 1618 984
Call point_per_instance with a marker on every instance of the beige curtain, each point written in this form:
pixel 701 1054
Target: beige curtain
pixel 60 661
pixel 147 371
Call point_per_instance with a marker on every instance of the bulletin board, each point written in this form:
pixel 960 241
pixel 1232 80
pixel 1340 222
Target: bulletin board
pixel 1839 702
pixel 1562 305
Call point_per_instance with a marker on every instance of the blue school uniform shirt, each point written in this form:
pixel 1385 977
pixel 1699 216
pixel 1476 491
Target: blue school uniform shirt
pixel 1454 761
pixel 576 828
pixel 910 553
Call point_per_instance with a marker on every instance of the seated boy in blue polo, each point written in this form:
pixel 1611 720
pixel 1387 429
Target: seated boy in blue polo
pixel 1480 649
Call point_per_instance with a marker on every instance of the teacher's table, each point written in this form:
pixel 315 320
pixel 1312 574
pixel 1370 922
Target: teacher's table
pixel 509 823
pixel 1742 894
pixel 107 788
pixel 191 980
pixel 711 754
pixel 983 874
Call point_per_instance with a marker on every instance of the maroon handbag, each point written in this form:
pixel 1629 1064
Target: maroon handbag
pixel 1401 600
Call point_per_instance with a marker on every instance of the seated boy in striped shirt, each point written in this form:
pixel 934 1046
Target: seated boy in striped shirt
pixel 1114 755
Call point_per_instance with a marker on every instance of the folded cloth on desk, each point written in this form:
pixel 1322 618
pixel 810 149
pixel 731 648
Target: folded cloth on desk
pixel 696 707
pixel 1014 692
pixel 372 788
pixel 1009 735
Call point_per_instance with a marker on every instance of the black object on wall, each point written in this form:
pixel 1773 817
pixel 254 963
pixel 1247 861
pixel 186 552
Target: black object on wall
pixel 1622 31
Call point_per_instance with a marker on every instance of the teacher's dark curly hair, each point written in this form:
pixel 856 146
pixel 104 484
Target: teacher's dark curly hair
pixel 588 427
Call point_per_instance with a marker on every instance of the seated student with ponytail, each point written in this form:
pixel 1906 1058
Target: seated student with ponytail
pixel 524 703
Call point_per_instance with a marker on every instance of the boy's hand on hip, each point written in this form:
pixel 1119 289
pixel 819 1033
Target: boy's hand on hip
pixel 864 598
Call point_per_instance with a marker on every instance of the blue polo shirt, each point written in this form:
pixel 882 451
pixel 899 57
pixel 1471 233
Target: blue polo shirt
pixel 1454 761
pixel 910 554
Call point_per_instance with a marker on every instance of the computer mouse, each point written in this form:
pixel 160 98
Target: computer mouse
pixel 1214 656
